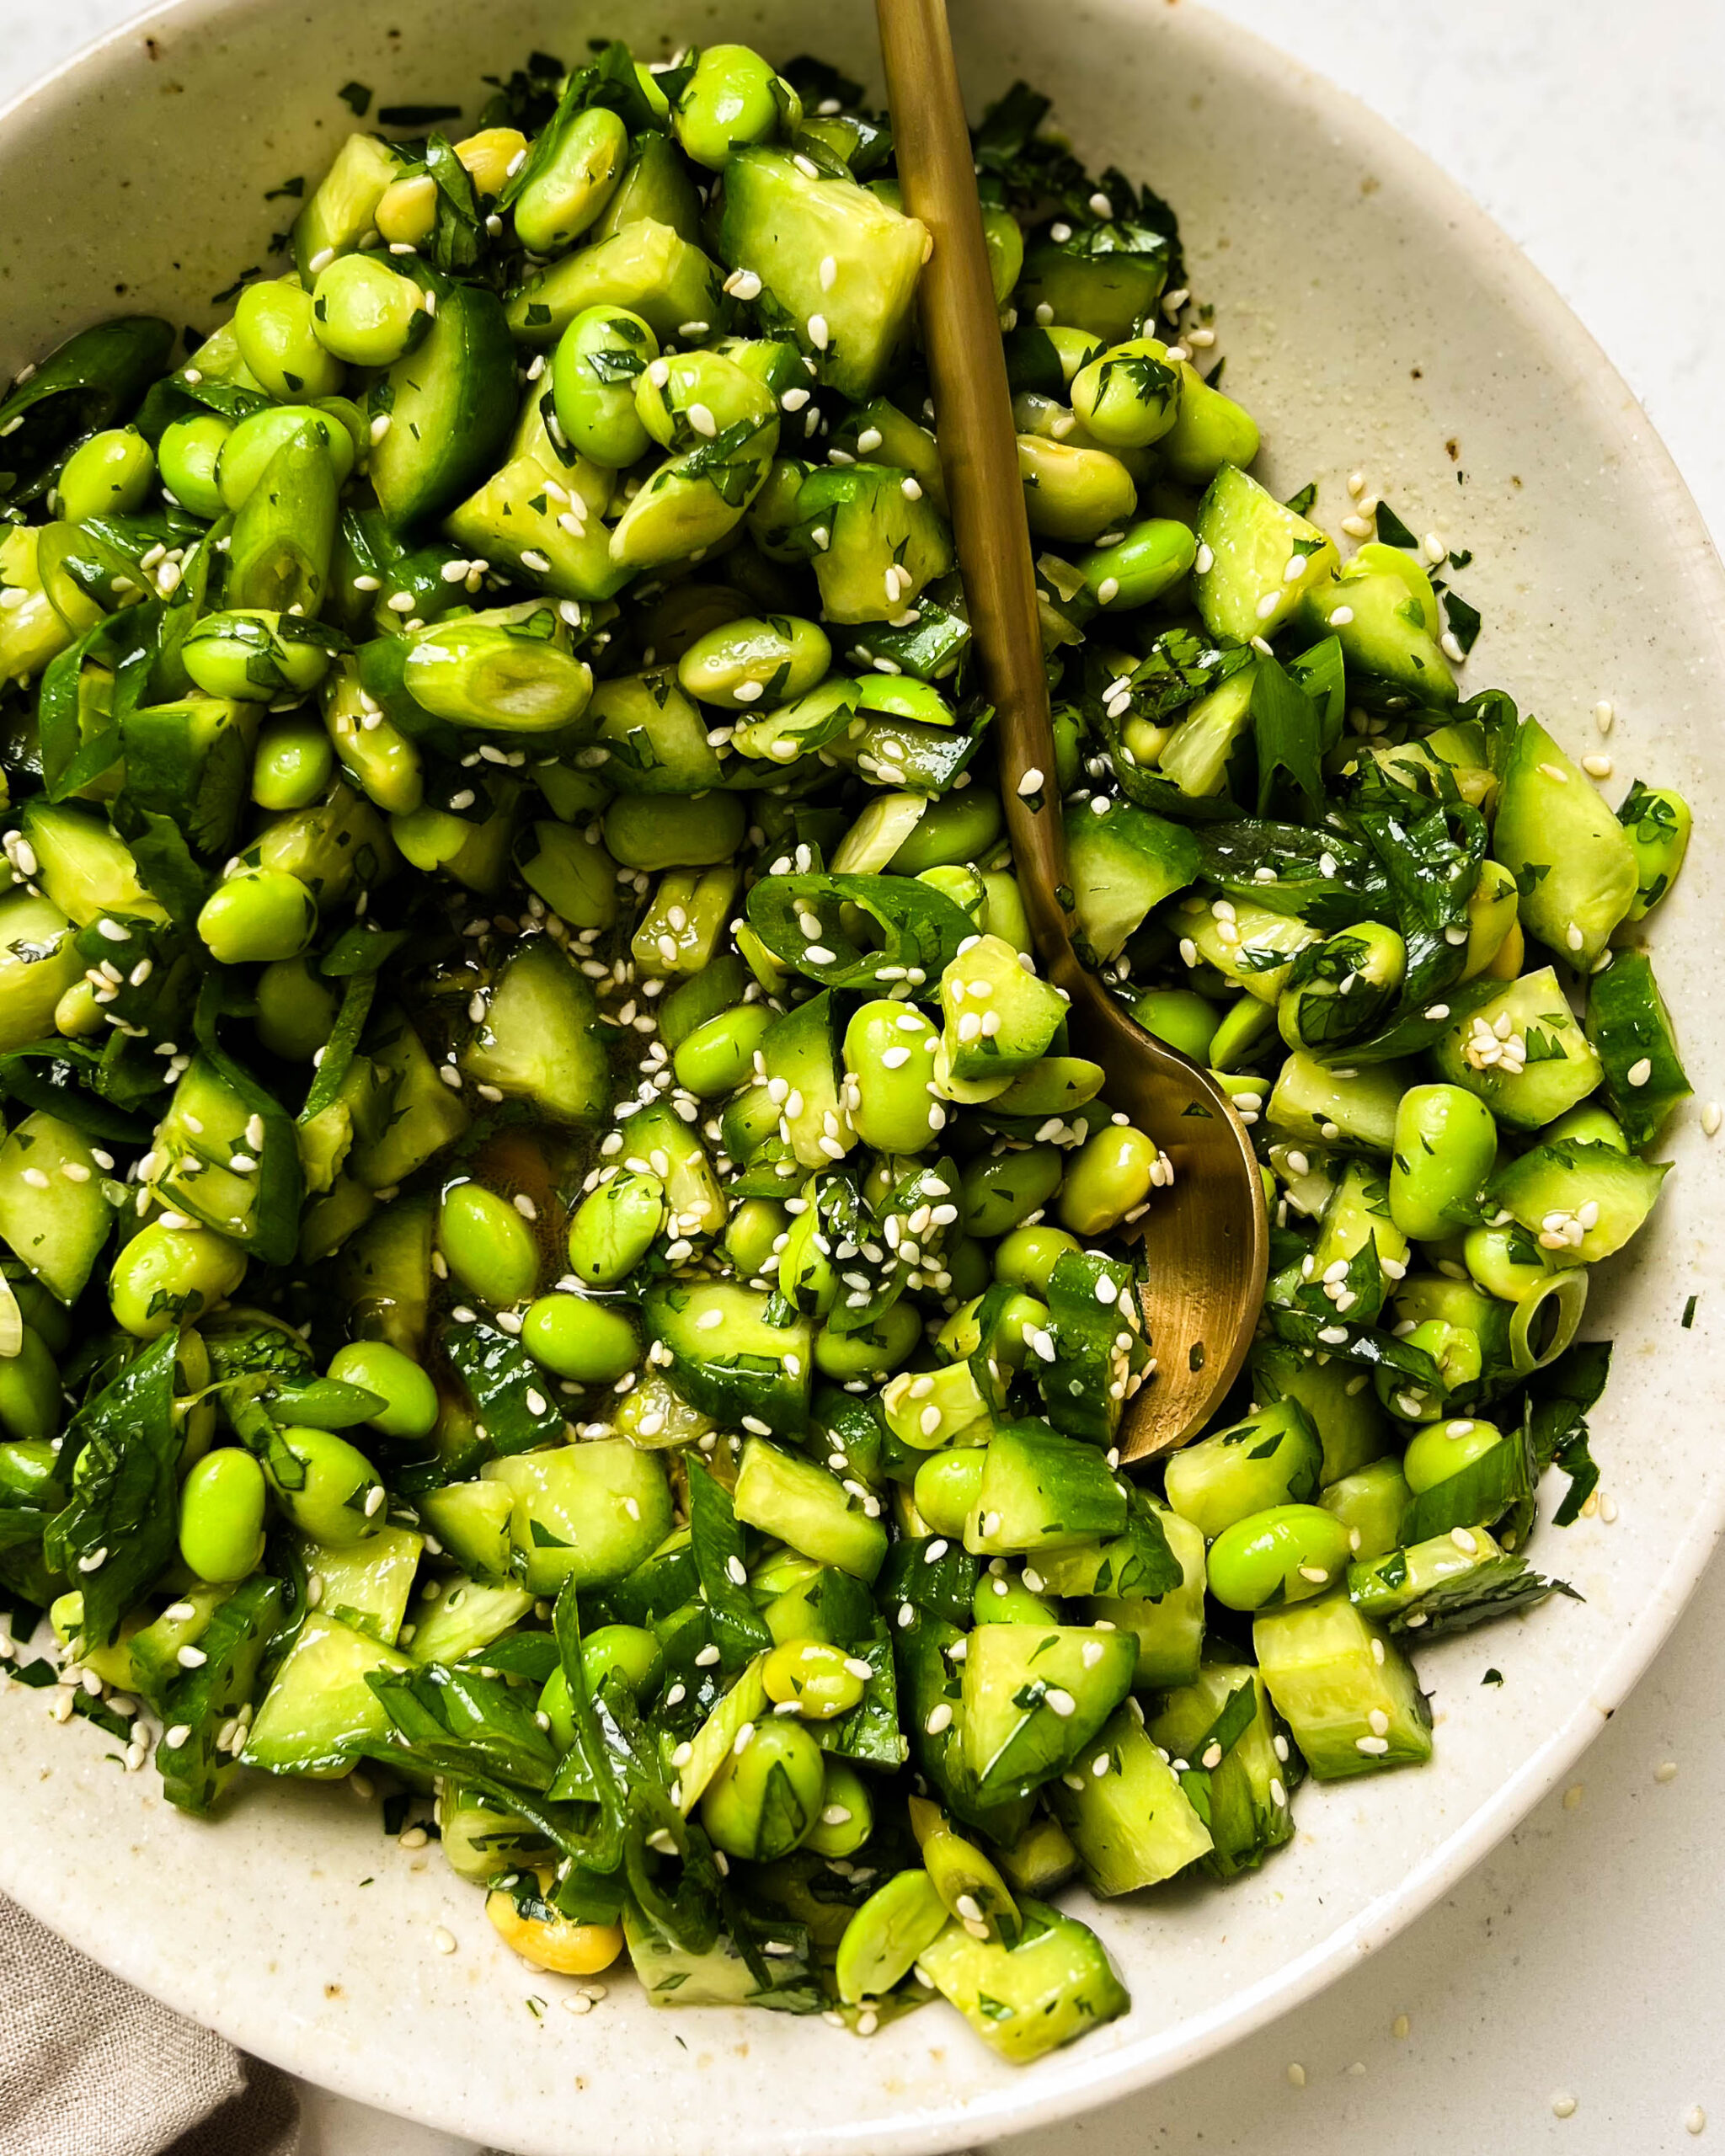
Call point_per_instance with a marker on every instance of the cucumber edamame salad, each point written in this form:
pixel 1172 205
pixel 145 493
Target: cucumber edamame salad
pixel 560 1257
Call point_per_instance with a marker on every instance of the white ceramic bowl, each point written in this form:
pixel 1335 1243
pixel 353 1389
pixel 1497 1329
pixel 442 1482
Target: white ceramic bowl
pixel 1372 317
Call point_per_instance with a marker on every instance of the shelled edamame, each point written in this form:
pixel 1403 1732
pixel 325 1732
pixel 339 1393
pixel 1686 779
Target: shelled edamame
pixel 558 1247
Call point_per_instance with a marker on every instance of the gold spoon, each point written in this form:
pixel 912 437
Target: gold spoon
pixel 1207 1238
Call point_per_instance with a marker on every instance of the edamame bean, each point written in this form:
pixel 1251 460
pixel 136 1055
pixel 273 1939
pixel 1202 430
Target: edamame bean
pixel 755 661
pixel 955 827
pixel 222 1516
pixel 629 1648
pixel 573 186
pixel 1456 1351
pixel 816 1679
pixel 1286 1554
pixel 1130 396
pixel 873 1352
pixel 30 1391
pixel 165 1277
pixel 898 1923
pixel 245 452
pixel 489 1245
pixel 108 475
pixel 297 1010
pixel 599 359
pixel 963 1877
pixel 612 1228
pixel 576 880
pixel 657 830
pixel 491 157
pixel 1073 494
pixel 904 697
pixel 688 398
pixel 890 1053
pixel 846 1812
pixel 1111 1174
pixel 732 98
pixel 1004 1599
pixel 586 1341
pixel 1440 1450
pixel 275 329
pixel 407 210
pixel 1151 559
pixel 561 1946
pixel 1026 1257
pixel 777 1760
pixel 326 1486
pixel 1179 1016
pixel 963 886
pixel 997 1193
pixel 258 916
pixel 364 312
pixel 1013 1323
pixel 719 1057
pixel 246 656
pixel 294 762
pixel 946 1488
pixel 1003 911
pixel 410 1399
pixel 187 454
pixel 1446 1140
pixel 1209 430
pixel 752 1232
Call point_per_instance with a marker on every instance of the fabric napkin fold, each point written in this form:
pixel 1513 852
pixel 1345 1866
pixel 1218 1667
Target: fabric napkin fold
pixel 89 2066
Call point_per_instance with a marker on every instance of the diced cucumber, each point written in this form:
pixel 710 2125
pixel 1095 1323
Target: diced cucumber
pixel 1631 1032
pixel 1133 1825
pixel 875 548
pixel 1253 947
pixel 589 1512
pixel 367 1584
pixel 1094 1328
pixel 38 962
pixel 646 268
pixel 343 206
pixel 1123 864
pixel 1344 1688
pixel 1562 1067
pixel 539 1039
pixel 1041 1490
pixel 210 1702
pixel 1383 1587
pixel 1222 1727
pixel 319 1714
pixel 1028 1999
pixel 802 1048
pixel 1606 1193
pixel 1196 756
pixel 1570 858
pixel 1035 1697
pixel 721 1976
pixel 1247 541
pixel 1353 1107
pixel 1338 1400
pixel 782 223
pixel 1393 660
pixel 84 867
pixel 653 736
pixel 735 1364
pixel 513 514
pixel 466 1616
pixel 53 1212
pixel 1042 1858
pixel 450 403
pixel 220 1115
pixel 423 1114
pixel 713 1742
pixel 1273 1458
pixel 471 1520
pixel 809 1508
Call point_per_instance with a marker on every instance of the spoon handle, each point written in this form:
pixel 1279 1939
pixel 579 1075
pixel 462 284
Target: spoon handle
pixel 978 448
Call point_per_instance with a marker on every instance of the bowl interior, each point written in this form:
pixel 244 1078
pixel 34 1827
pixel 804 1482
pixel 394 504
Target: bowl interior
pixel 1371 319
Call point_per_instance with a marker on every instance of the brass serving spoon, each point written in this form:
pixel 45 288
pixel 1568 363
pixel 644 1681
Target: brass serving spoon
pixel 1207 1237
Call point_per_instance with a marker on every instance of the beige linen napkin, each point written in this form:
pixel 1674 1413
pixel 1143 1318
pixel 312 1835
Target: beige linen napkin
pixel 89 2066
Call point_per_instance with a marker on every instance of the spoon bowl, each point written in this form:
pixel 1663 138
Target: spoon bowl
pixel 1206 1234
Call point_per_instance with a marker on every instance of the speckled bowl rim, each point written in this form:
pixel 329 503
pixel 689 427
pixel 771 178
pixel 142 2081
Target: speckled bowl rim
pixel 1077 2081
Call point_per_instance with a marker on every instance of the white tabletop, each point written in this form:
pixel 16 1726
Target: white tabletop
pixel 1566 1996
